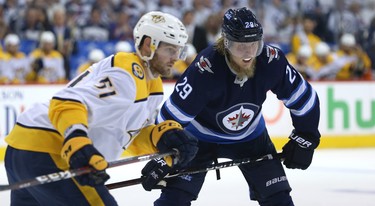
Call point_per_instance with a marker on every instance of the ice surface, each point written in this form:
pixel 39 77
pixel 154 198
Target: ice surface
pixel 344 177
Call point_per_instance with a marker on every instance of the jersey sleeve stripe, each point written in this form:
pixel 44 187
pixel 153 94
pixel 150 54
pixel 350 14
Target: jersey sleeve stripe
pixel 140 100
pixel 298 93
pixel 113 61
pixel 307 107
pixel 40 128
pixel 66 99
pixel 156 93
pixel 177 113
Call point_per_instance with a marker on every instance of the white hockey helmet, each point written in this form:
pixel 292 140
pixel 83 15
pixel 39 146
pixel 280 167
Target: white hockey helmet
pixel 160 27
pixel 11 39
pixel 96 55
pixel 47 37
pixel 348 40
pixel 305 51
pixel 322 49
pixel 123 46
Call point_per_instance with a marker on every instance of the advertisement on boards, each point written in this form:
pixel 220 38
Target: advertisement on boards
pixel 347 108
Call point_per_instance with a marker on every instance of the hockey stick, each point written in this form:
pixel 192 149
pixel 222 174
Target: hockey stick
pixel 191 171
pixel 67 174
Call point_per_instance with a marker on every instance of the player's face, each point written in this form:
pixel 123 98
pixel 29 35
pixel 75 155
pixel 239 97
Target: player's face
pixel 164 58
pixel 243 53
pixel 245 50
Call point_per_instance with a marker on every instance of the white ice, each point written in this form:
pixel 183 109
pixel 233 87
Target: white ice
pixel 344 177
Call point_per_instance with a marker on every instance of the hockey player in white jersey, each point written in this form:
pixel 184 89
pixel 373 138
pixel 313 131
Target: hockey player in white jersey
pixel 96 116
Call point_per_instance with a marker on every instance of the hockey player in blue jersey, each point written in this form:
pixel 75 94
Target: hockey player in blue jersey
pixel 219 99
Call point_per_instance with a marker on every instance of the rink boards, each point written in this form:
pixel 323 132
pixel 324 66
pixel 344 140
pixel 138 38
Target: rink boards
pixel 347 112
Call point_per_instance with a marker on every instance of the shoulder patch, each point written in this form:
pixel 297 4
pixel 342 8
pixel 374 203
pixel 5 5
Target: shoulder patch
pixel 272 53
pixel 138 71
pixel 204 65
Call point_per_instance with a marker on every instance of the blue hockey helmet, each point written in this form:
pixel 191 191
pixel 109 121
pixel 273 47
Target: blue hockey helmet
pixel 241 25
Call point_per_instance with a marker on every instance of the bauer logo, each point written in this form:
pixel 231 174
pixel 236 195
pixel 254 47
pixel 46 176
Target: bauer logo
pixel 276 180
pixel 237 118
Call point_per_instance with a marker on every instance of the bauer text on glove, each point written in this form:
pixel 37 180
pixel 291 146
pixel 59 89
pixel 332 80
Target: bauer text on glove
pixel 299 150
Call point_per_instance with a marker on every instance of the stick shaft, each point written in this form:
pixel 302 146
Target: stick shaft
pixel 67 174
pixel 221 165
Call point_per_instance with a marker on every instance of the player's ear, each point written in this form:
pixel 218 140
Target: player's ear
pixel 146 47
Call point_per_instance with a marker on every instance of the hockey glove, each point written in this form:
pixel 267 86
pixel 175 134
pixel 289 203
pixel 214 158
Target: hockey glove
pixel 153 174
pixel 79 152
pixel 168 136
pixel 299 151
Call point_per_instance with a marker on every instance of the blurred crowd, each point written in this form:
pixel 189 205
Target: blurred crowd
pixel 323 39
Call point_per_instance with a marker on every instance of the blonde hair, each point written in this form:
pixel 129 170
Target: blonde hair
pixel 220 47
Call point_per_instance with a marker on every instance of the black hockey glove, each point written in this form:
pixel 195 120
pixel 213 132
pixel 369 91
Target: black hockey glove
pixel 153 174
pixel 168 136
pixel 79 152
pixel 299 151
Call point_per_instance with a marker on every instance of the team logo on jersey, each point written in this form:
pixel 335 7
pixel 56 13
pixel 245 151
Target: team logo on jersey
pixel 272 53
pixel 237 118
pixel 138 71
pixel 204 65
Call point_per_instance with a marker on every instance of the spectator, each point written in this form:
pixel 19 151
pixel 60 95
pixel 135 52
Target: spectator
pixel 201 12
pixel 95 29
pixel 78 12
pixel 65 43
pixel 197 34
pixel 305 35
pixel 95 55
pixel 343 20
pixel 168 7
pixel 324 63
pixel 370 44
pixel 121 28
pixel 31 26
pixel 276 16
pixel 106 10
pixel 212 26
pixel 358 69
pixel 15 65
pixel 47 63
pixel 302 61
pixel 4 28
pixel 123 46
pixel 133 8
pixel 180 65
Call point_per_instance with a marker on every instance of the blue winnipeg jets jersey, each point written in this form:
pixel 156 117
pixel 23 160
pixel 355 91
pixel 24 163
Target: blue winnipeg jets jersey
pixel 214 106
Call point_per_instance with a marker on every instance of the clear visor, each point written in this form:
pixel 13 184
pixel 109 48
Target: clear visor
pixel 172 51
pixel 244 50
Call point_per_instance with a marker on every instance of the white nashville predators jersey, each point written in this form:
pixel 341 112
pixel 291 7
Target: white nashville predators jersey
pixel 119 100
